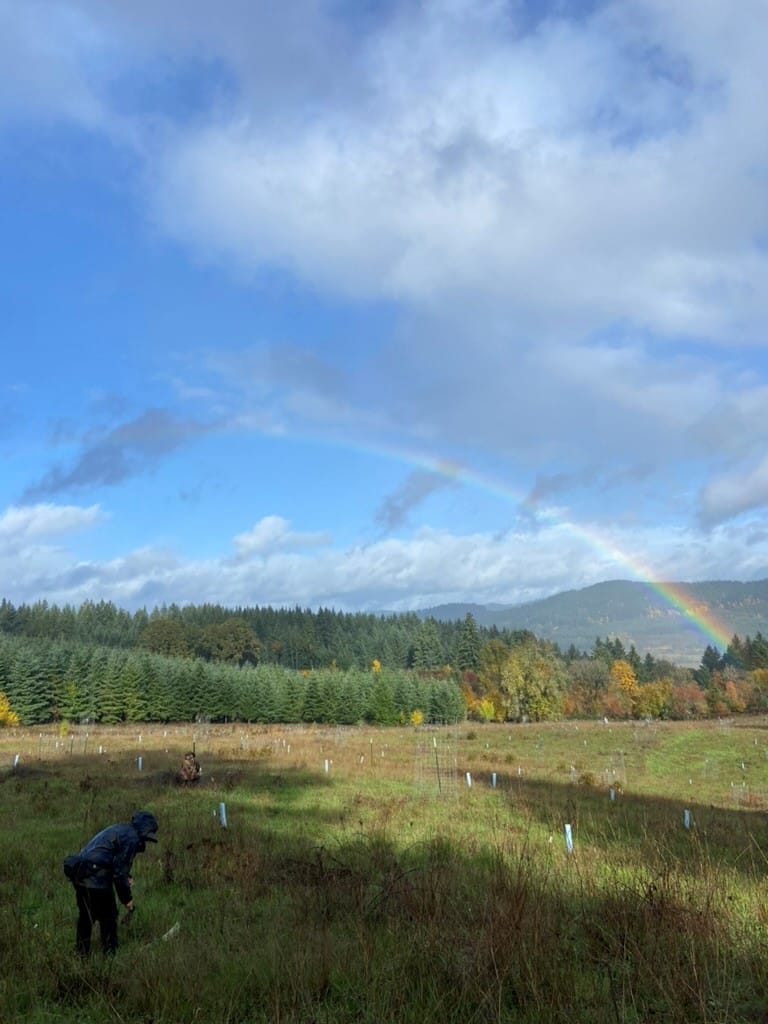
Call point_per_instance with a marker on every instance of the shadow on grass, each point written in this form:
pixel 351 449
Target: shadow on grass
pixel 652 827
pixel 276 926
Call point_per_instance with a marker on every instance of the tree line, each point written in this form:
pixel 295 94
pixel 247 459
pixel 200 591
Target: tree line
pixel 44 681
pixel 103 664
pixel 293 638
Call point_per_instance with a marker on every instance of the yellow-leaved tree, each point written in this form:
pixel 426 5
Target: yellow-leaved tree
pixel 533 683
pixel 654 699
pixel 7 716
pixel 625 686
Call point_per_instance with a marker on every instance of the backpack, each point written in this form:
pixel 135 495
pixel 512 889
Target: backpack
pixel 76 869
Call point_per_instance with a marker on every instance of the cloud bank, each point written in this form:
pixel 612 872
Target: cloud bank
pixel 525 237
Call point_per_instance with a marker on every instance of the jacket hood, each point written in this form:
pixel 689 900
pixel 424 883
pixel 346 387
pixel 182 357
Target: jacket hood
pixel 145 824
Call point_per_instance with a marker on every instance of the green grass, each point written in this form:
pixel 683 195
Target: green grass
pixel 366 895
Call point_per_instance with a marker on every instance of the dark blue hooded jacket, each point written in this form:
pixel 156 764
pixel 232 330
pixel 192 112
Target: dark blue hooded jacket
pixel 109 855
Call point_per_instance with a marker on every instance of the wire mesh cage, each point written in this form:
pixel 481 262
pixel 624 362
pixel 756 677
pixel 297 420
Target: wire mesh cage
pixel 436 770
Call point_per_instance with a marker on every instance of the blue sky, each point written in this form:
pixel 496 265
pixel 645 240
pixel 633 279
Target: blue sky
pixel 380 305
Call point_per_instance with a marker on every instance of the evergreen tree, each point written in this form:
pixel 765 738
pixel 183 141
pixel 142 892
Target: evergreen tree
pixel 469 645
pixel 735 654
pixel 92 683
pixel 647 672
pixel 330 690
pixel 351 699
pixel 403 696
pixel 270 703
pixel 427 649
pixel 446 706
pixel 156 688
pixel 313 709
pixel 395 646
pixel 381 705
pixel 710 662
pixel 110 705
pixel 30 693
pixel 634 660
pixel 70 700
pixel 247 695
pixel 757 656
pixel 292 689
pixel 134 696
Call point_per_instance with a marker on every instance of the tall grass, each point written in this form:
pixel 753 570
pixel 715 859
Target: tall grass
pixel 354 895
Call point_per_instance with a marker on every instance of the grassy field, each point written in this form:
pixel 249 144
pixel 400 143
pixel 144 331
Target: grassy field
pixel 374 875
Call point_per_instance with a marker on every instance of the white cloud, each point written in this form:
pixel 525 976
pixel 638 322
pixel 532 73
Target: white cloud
pixel 552 176
pixel 550 210
pixel 589 170
pixel 25 523
pixel 429 568
pixel 271 534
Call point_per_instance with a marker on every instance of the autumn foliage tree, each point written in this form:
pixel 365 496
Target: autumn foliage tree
pixel 7 716
pixel 533 683
pixel 588 680
pixel 624 688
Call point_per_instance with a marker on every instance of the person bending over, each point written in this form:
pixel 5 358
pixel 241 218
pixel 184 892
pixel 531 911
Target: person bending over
pixel 101 870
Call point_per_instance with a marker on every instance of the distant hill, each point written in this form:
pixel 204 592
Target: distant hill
pixel 634 612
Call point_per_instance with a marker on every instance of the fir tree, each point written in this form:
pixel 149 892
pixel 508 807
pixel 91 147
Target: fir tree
pixel 469 645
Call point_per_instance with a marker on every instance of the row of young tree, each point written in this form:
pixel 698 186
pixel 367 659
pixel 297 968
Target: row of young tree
pixel 44 681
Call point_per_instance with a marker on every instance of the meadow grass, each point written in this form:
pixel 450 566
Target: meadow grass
pixel 369 892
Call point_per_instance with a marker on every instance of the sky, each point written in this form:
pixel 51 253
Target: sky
pixel 379 305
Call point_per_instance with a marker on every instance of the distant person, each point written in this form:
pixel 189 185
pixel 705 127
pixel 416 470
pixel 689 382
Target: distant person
pixel 102 869
pixel 190 769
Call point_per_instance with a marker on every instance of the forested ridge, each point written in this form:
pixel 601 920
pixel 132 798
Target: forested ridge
pixel 294 638
pixel 639 612
pixel 97 662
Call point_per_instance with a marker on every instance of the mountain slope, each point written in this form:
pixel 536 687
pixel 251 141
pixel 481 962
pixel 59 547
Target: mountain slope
pixel 638 614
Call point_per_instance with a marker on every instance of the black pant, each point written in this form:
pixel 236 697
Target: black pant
pixel 96 905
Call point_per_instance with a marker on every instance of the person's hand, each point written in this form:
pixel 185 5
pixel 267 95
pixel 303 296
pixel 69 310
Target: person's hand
pixel 130 907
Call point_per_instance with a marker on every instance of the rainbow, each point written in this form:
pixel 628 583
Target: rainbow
pixel 697 614
pixel 674 595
